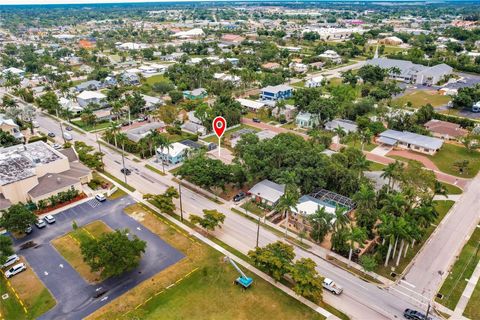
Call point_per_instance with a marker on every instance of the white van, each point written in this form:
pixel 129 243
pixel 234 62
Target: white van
pixel 331 286
pixel 67 136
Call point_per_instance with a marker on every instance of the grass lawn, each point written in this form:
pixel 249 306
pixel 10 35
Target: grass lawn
pixel 120 182
pixel 472 311
pixel 335 81
pixel 400 158
pixel 180 137
pixel 455 283
pixel 253 208
pixel 202 288
pixel 226 136
pixel 420 98
pixel 152 168
pixel 300 84
pixel 36 298
pixel 156 78
pixel 97 126
pixel 442 207
pixel 450 153
pixel 117 194
pixel 375 166
pixel 68 246
pixel 451 189
pixel 263 116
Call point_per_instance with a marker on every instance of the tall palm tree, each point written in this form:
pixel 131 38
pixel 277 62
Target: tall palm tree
pixel 360 165
pixel 163 143
pixel 387 230
pixel 154 138
pixel 287 202
pixel 365 137
pixel 424 215
pixel 341 219
pixel 394 204
pixel 356 235
pixel 321 222
pixel 365 197
pixel 111 133
pixel 403 231
pixel 339 132
pixel 391 173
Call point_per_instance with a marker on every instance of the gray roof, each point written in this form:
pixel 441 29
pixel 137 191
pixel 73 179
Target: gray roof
pixel 276 89
pixel 347 125
pixel 438 70
pixel 51 182
pixel 413 138
pixel 268 190
pixel 87 84
pixel 408 68
pixel 70 154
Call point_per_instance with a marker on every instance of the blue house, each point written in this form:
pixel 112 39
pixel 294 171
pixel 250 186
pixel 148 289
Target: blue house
pixel 274 93
pixel 174 154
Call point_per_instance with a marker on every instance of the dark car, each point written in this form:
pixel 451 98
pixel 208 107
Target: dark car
pixel 256 120
pixel 126 123
pixel 51 135
pixel 239 196
pixel 69 128
pixel 125 171
pixel 414 315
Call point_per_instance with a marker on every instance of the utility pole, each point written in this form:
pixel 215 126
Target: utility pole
pixel 180 198
pixel 428 310
pixel 123 162
pixel 258 231
pixel 98 141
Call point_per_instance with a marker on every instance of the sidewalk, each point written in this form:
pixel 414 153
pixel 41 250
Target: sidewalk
pixel 467 293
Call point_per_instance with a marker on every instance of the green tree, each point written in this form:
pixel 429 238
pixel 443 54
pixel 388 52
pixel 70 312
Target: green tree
pixel 368 262
pixel 113 253
pixel 356 236
pixel 308 283
pixel 320 222
pixel 175 96
pixel 287 202
pixel 210 220
pixel 6 249
pixel 164 201
pixel 275 259
pixel 17 218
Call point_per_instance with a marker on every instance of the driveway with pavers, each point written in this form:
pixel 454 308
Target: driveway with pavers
pixel 75 297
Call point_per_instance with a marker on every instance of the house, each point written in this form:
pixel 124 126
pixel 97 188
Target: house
pixel 91 85
pixel 409 72
pixel 192 144
pixel 190 34
pixel 199 93
pixel 70 105
pixel 137 133
pixel 275 93
pixel 298 67
pixel 288 111
pixel 237 136
pixel 476 107
pixel 265 134
pixel 306 120
pixel 174 154
pixel 410 141
pixel 14 71
pixel 127 46
pixel 36 171
pixel 445 130
pixel 267 192
pixel 226 77
pixel 314 82
pixel 232 39
pixel 130 78
pixel 151 103
pixel 271 66
pixel 393 41
pixel 331 56
pixel 194 128
pixel 8 125
pixel 87 97
pixel 346 125
pixel 251 105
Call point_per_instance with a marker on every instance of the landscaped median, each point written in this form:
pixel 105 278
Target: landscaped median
pixel 69 247
pixel 199 286
pixel 27 296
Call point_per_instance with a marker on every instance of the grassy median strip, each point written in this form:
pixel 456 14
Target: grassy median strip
pixel 152 168
pixel 69 247
pixel 24 290
pixel 200 286
pixel 463 268
pixel 120 182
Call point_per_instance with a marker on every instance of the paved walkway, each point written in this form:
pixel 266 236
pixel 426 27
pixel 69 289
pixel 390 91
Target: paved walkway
pixel 467 293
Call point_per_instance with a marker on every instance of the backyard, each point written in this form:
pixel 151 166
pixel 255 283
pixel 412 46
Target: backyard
pixel 186 290
pixel 419 98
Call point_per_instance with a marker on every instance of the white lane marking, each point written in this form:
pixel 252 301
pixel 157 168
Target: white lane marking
pixel 98 289
pixel 408 283
pixel 139 229
pixel 104 298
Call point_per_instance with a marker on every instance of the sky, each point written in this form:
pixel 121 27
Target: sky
pixel 20 2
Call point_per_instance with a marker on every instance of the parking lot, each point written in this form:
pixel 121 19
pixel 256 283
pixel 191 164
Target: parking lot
pixel 75 297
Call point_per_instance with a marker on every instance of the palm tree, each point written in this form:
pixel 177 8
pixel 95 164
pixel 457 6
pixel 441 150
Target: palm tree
pixel 111 133
pixel 143 145
pixel 361 164
pixel 163 143
pixel 339 132
pixel 403 231
pixel 287 202
pixel 356 235
pixel 387 230
pixel 424 215
pixel 321 223
pixel 390 172
pixel 341 219
pixel 365 137
pixel 364 198
pixel 394 204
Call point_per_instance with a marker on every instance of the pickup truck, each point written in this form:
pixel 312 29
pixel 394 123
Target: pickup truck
pixel 331 286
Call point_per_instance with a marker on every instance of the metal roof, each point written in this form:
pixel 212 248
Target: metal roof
pixel 413 138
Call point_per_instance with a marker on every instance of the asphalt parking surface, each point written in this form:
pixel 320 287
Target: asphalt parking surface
pixel 75 297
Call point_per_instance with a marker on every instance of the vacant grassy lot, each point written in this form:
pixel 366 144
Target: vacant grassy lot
pixel 36 298
pixel 226 136
pixel 203 286
pixel 442 207
pixel 450 153
pixel 455 283
pixel 87 127
pixel 69 247
pixel 375 166
pixel 154 79
pixel 472 311
pixel 420 98
pixel 358 145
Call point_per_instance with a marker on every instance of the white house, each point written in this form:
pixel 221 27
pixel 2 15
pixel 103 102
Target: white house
pixel 174 154
pixel 251 105
pixel 314 82
pixel 331 55
pixel 87 97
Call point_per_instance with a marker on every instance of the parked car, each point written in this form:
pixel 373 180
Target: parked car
pixel 331 286
pixel 68 128
pixel 239 196
pixel 56 146
pixel 415 315
pixel 141 119
pixel 125 171
pixel 28 230
pixel 51 135
pixel 11 260
pixel 15 270
pixel 50 219
pixel 40 223
pixel 256 120
pixel 126 123
pixel 67 136
pixel 100 197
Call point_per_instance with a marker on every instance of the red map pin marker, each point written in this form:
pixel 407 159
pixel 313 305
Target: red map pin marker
pixel 219 126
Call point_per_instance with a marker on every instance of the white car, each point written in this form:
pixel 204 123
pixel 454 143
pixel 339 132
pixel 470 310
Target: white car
pixel 100 197
pixel 331 286
pixel 15 270
pixel 35 124
pixel 11 260
pixel 56 146
pixel 49 219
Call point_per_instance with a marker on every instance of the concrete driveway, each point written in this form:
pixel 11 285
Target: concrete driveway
pixel 75 297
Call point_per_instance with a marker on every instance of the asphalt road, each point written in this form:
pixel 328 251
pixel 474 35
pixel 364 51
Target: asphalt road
pixel 75 297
